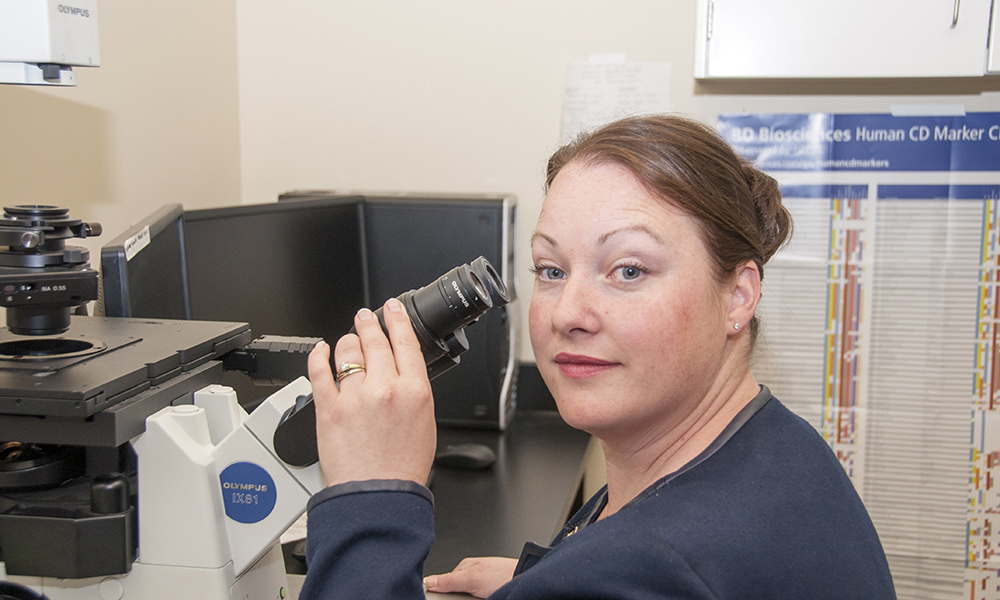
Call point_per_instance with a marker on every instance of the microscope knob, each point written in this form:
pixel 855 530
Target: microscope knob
pixel 295 435
pixel 109 494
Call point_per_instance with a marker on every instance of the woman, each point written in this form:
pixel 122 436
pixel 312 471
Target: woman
pixel 648 257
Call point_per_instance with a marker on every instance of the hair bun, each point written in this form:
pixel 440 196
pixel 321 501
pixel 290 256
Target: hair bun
pixel 773 218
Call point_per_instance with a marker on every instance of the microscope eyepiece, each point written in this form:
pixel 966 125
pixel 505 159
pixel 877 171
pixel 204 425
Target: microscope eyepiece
pixel 439 313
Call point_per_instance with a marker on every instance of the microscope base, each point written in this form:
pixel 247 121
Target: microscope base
pixel 265 580
pixel 213 502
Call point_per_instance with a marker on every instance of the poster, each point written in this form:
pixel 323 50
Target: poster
pixel 881 324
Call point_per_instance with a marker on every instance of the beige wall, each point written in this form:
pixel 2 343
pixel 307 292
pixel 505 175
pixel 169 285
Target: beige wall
pixel 156 123
pixel 434 96
pixel 459 95
pixel 227 101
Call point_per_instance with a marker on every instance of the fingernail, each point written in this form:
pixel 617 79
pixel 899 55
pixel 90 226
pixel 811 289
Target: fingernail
pixel 320 344
pixel 364 314
pixel 394 305
pixel 430 582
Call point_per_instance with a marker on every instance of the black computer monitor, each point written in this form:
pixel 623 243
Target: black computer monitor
pixel 143 269
pixel 304 266
pixel 411 240
pixel 295 269
pixel 285 268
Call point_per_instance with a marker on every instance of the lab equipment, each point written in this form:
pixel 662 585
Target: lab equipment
pixel 42 40
pixel 127 472
pixel 439 313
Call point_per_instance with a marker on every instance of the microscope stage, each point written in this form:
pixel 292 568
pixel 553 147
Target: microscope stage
pixel 128 357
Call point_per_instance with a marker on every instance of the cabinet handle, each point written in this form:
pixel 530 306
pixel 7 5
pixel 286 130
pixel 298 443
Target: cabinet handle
pixel 954 17
pixel 711 17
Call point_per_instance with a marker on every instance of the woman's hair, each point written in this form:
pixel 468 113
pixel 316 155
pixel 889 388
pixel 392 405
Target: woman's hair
pixel 688 165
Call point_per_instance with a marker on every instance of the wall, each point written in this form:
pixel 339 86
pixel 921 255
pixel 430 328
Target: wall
pixel 453 95
pixel 156 123
pixel 227 101
pixel 440 95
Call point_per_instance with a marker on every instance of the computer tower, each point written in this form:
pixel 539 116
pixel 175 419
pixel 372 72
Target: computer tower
pixel 412 239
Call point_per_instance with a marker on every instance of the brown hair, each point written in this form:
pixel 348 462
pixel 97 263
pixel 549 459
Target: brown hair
pixel 688 165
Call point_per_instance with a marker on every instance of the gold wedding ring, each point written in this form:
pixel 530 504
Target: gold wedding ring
pixel 346 369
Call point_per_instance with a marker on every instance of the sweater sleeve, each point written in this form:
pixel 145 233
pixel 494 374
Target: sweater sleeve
pixel 368 540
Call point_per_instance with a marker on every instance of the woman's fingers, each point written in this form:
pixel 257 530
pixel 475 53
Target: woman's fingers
pixel 374 351
pixel 378 423
pixel 480 576
pixel 409 359
pixel 321 374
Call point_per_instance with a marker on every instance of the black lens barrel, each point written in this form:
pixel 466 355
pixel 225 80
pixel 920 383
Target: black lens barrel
pixel 455 300
pixel 438 312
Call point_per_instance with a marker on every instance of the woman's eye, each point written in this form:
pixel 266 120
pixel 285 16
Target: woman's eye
pixel 548 272
pixel 630 272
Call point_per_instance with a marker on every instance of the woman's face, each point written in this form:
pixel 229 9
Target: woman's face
pixel 627 322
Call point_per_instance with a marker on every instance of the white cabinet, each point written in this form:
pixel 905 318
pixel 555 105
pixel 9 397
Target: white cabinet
pixel 842 38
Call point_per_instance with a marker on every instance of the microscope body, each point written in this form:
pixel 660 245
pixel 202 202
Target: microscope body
pixel 213 501
pixel 42 40
pixel 126 471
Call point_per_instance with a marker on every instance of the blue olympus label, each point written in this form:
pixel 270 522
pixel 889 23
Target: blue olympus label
pixel 248 492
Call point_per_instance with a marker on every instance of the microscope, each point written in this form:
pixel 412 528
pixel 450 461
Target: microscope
pixel 126 470
pixel 42 40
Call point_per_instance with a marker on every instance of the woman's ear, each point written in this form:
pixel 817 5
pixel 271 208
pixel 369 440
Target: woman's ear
pixel 745 292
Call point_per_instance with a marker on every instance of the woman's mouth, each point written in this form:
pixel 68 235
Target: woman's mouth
pixel 577 366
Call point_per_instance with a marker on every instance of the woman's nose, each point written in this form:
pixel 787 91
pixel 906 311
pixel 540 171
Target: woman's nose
pixel 574 310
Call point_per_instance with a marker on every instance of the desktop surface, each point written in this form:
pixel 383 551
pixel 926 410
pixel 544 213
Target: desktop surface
pixel 526 496
pixel 295 587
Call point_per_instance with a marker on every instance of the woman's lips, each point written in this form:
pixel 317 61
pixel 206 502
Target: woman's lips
pixel 577 366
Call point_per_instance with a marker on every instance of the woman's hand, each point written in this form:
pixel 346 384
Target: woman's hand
pixel 380 423
pixel 477 576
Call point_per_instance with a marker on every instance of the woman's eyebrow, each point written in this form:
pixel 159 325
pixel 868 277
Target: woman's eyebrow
pixel 541 235
pixel 639 227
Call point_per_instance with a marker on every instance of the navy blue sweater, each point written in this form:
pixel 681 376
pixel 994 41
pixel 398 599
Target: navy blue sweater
pixel 766 512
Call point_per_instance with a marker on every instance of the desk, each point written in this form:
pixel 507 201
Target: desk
pixel 527 495
pixel 295 586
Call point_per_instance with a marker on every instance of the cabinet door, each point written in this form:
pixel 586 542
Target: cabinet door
pixel 842 38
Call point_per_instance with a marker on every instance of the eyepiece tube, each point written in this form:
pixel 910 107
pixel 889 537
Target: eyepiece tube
pixel 439 312
pixel 494 283
pixel 456 299
pixel 441 309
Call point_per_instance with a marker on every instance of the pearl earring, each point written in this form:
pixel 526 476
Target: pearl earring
pixel 736 326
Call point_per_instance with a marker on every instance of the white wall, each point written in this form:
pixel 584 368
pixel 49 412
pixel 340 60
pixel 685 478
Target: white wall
pixel 218 102
pixel 156 123
pixel 465 96
pixel 437 95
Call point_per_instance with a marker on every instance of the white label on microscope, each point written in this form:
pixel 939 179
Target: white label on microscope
pixel 136 243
